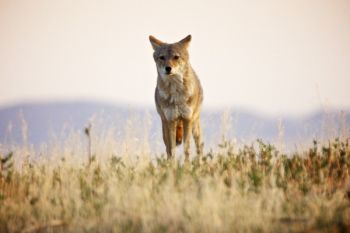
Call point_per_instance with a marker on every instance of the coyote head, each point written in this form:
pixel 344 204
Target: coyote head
pixel 171 59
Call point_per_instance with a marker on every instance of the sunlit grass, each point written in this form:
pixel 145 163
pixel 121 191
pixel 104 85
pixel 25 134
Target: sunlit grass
pixel 248 189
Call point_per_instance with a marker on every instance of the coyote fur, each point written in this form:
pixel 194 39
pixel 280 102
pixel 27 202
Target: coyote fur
pixel 178 96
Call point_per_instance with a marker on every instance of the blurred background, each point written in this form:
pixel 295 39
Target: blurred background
pixel 277 70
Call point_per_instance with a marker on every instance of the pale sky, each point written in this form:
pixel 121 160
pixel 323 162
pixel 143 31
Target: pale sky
pixel 273 56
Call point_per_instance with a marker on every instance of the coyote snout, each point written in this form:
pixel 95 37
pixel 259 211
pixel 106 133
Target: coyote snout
pixel 168 69
pixel 178 95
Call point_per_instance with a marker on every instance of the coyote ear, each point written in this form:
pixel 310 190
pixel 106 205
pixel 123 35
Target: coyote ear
pixel 185 41
pixel 155 42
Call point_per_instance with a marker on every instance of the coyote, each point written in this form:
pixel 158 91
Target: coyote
pixel 178 96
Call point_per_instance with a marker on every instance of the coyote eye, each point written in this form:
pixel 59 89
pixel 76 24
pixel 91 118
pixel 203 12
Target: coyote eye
pixel 176 57
pixel 162 58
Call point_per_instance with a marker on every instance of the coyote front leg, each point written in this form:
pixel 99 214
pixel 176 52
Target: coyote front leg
pixel 197 136
pixel 171 139
pixel 165 137
pixel 187 138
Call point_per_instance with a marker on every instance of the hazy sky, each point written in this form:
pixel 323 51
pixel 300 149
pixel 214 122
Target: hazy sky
pixel 272 56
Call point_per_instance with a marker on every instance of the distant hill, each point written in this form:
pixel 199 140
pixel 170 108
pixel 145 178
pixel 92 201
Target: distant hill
pixel 42 122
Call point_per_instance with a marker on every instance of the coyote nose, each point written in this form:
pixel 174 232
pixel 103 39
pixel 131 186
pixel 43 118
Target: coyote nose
pixel 168 69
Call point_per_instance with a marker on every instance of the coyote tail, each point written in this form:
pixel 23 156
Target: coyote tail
pixel 179 132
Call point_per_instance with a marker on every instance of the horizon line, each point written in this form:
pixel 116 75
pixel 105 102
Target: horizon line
pixel 328 109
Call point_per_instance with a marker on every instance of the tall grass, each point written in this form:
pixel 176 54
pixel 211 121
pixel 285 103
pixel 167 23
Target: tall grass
pixel 253 188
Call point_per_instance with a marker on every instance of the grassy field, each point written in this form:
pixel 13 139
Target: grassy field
pixel 251 188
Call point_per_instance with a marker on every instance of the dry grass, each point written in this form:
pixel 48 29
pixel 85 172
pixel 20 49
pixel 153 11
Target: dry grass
pixel 251 189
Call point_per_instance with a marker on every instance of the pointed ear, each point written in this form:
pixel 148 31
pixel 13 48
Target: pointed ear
pixel 155 42
pixel 185 42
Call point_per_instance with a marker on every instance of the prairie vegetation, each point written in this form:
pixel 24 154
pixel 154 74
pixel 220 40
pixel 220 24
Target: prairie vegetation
pixel 252 188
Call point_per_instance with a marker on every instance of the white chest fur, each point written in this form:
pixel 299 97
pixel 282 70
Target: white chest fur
pixel 175 95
